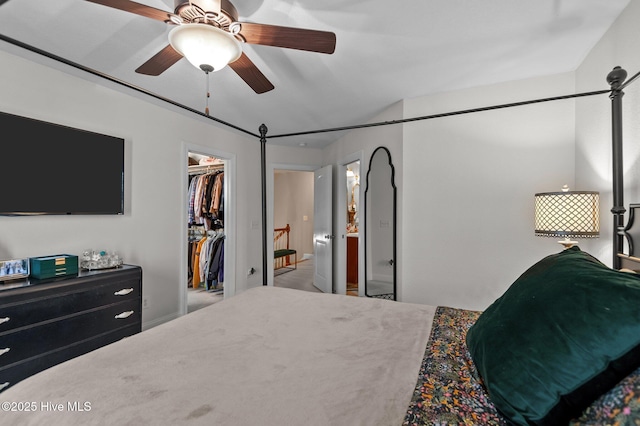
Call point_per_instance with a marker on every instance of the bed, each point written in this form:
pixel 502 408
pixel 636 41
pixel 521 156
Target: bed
pixel 268 356
pixel 560 346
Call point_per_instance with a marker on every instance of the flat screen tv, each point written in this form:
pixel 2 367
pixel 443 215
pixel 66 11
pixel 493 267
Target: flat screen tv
pixel 47 168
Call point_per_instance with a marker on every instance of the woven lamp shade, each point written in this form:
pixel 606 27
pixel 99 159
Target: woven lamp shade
pixel 568 214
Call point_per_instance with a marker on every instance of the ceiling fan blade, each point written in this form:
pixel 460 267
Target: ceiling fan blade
pixel 137 8
pixel 160 62
pixel 290 38
pixel 248 71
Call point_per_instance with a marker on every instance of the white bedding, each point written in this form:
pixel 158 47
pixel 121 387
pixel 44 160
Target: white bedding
pixel 268 356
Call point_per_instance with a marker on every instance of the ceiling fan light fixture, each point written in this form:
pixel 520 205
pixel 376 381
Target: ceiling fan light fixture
pixel 204 44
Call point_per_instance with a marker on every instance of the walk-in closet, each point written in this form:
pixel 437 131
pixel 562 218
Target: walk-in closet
pixel 206 236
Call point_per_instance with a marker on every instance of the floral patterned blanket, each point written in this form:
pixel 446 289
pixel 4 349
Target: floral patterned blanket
pixel 449 390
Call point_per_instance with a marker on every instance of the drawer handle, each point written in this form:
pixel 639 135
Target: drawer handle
pixel 3 320
pixel 4 385
pixel 123 292
pixel 4 351
pixel 123 315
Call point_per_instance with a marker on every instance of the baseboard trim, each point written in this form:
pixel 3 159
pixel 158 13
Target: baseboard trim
pixel 146 325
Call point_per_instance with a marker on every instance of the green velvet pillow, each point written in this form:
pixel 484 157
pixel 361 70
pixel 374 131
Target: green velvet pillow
pixel 564 333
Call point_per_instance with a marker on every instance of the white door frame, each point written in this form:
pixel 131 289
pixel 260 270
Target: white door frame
pixel 229 219
pixel 340 261
pixel 271 169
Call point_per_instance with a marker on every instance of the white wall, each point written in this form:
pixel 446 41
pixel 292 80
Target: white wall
pixel 618 47
pixel 467 182
pixel 150 232
pixel 466 186
pixel 469 185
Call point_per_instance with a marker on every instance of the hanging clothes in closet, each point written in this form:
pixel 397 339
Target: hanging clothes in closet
pixel 206 200
pixel 211 272
pixel 206 230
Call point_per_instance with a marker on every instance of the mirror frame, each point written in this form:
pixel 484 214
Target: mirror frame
pixel 366 225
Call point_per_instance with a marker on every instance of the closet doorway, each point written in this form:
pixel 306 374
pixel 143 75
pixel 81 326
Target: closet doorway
pixel 209 276
pixel 293 216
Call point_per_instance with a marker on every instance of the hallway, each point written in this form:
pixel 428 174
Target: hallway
pixel 300 278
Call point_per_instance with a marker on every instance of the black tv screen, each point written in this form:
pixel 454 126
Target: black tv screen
pixel 47 168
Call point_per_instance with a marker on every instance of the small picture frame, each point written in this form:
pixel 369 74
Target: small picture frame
pixel 14 269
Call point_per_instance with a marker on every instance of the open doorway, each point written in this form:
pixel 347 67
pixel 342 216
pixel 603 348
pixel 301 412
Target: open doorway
pixel 319 218
pixel 205 233
pixel 349 260
pixel 293 218
pixel 218 202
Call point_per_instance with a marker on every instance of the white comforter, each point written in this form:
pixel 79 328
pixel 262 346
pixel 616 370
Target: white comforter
pixel 268 356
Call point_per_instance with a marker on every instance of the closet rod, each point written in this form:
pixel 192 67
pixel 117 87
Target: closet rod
pixel 205 169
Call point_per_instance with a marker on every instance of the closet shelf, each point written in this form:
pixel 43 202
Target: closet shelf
pixel 197 170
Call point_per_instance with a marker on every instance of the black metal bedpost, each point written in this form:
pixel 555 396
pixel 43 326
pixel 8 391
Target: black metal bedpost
pixel 615 79
pixel 263 167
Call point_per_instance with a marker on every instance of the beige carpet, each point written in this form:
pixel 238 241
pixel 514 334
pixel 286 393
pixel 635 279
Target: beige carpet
pixel 199 298
pixel 300 278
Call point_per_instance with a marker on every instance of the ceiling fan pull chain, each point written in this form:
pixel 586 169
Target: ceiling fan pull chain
pixel 206 110
pixel 207 69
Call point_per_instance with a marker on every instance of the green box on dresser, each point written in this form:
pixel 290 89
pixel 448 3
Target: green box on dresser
pixel 43 323
pixel 53 266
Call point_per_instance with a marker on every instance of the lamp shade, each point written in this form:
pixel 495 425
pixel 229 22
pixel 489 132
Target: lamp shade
pixel 205 45
pixel 569 214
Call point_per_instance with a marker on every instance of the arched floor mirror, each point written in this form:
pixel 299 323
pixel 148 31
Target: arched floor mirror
pixel 380 226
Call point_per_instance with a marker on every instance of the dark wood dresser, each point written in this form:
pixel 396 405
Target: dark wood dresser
pixel 45 323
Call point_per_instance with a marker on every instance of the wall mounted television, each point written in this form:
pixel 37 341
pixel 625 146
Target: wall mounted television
pixel 46 168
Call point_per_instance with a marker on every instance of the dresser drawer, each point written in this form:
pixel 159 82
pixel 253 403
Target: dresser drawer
pixel 10 375
pixel 19 344
pixel 42 306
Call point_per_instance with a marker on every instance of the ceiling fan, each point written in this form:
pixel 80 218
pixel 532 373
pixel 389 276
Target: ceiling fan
pixel 218 20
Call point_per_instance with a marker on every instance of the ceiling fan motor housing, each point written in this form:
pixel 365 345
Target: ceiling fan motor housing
pixel 220 13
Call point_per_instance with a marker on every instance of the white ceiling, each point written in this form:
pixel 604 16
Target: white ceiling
pixel 385 51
